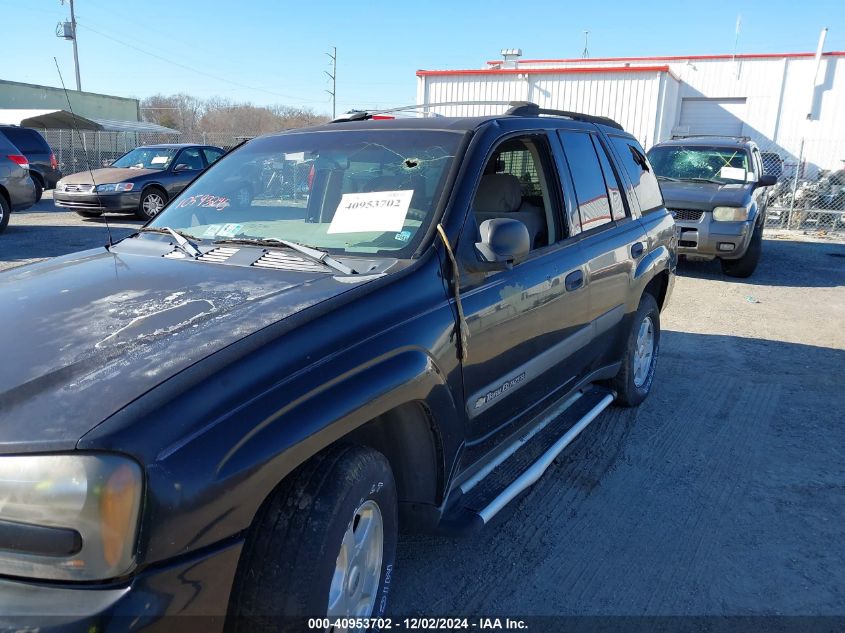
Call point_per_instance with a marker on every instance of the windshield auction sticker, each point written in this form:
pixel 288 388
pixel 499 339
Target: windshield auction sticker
pixel 372 211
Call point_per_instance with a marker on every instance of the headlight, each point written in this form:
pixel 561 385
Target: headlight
pixel 730 214
pixel 68 517
pixel 120 186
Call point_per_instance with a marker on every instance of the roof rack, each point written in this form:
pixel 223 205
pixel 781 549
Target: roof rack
pixel 527 108
pixel 516 108
pixel 740 138
pixel 361 115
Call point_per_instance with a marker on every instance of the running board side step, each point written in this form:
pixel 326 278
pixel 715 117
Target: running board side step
pixel 522 463
pixel 536 471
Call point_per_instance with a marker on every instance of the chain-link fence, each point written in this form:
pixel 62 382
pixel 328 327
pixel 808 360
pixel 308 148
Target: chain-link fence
pixel 809 196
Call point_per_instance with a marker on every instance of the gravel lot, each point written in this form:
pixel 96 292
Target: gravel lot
pixel 723 494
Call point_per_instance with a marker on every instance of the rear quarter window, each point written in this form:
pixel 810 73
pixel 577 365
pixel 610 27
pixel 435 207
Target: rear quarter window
pixel 640 172
pixel 27 141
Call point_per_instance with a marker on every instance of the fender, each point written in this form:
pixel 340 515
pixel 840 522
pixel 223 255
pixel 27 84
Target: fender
pixel 246 462
pixel 654 262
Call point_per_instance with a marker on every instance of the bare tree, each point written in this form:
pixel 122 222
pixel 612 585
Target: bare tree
pixel 224 116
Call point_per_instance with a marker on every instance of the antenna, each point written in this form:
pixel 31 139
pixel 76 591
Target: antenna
pixel 82 143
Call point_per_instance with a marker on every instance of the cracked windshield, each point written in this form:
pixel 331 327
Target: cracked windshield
pixel 350 192
pixel 722 165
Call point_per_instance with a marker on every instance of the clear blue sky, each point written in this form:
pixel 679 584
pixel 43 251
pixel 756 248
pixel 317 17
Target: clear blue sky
pixel 273 51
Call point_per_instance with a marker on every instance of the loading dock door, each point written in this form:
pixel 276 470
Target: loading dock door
pixel 712 116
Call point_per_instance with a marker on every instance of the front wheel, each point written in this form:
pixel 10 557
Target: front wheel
pixel 747 264
pixel 152 202
pixel 633 382
pixel 323 545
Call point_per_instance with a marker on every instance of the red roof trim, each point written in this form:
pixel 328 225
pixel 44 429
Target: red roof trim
pixel 545 71
pixel 674 58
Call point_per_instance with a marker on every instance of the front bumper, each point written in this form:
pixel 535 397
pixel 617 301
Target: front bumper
pixel 117 202
pixel 708 238
pixel 157 599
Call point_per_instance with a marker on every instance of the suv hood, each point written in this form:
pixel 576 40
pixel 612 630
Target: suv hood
pixel 85 334
pixel 704 196
pixel 107 175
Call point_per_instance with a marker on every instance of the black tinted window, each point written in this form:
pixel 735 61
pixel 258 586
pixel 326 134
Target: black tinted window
pixel 639 170
pixel 189 160
pixel 590 191
pixel 617 206
pixel 27 141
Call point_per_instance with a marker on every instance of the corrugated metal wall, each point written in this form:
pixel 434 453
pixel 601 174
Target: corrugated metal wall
pixel 630 98
pixel 778 93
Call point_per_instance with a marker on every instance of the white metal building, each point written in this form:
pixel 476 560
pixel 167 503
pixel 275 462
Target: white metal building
pixel 780 101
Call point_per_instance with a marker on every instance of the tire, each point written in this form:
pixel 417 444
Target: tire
pixel 5 212
pixel 39 186
pixel 633 382
pixel 292 557
pixel 152 201
pixel 89 214
pixel 747 264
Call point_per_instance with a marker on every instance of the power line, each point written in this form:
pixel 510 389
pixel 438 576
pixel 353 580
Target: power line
pixel 196 70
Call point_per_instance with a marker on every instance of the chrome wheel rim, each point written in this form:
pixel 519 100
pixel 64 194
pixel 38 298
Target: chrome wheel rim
pixel 643 351
pixel 153 203
pixel 357 570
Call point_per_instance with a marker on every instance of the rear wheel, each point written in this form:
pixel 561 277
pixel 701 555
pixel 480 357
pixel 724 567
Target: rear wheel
pixel 323 545
pixel 5 212
pixel 747 264
pixel 151 204
pixel 633 382
pixel 39 186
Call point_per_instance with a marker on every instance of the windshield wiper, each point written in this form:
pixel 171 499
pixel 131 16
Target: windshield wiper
pixel 314 254
pixel 669 178
pixel 713 180
pixel 185 245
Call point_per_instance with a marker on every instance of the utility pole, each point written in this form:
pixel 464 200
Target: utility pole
pixel 67 30
pixel 586 52
pixel 333 76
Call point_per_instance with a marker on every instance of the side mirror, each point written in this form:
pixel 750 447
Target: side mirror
pixel 182 167
pixel 766 180
pixel 503 241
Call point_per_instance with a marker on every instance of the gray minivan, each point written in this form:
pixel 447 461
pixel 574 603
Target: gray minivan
pixel 43 166
pixel 17 191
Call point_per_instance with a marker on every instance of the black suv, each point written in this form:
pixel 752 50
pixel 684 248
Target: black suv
pixel 715 188
pixel 43 166
pixel 240 403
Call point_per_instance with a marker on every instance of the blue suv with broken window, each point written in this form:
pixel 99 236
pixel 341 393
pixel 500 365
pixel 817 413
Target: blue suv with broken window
pixel 243 401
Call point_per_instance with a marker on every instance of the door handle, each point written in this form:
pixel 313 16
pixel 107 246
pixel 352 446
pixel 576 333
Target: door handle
pixel 637 249
pixel 574 280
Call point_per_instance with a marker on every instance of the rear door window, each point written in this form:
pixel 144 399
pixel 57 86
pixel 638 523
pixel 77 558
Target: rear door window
pixel 588 179
pixel 640 172
pixel 211 155
pixel 614 188
pixel 27 141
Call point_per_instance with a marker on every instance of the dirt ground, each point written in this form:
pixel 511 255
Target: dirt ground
pixel 723 494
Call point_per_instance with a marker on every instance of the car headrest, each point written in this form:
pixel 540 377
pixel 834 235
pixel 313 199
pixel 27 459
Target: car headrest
pixel 498 193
